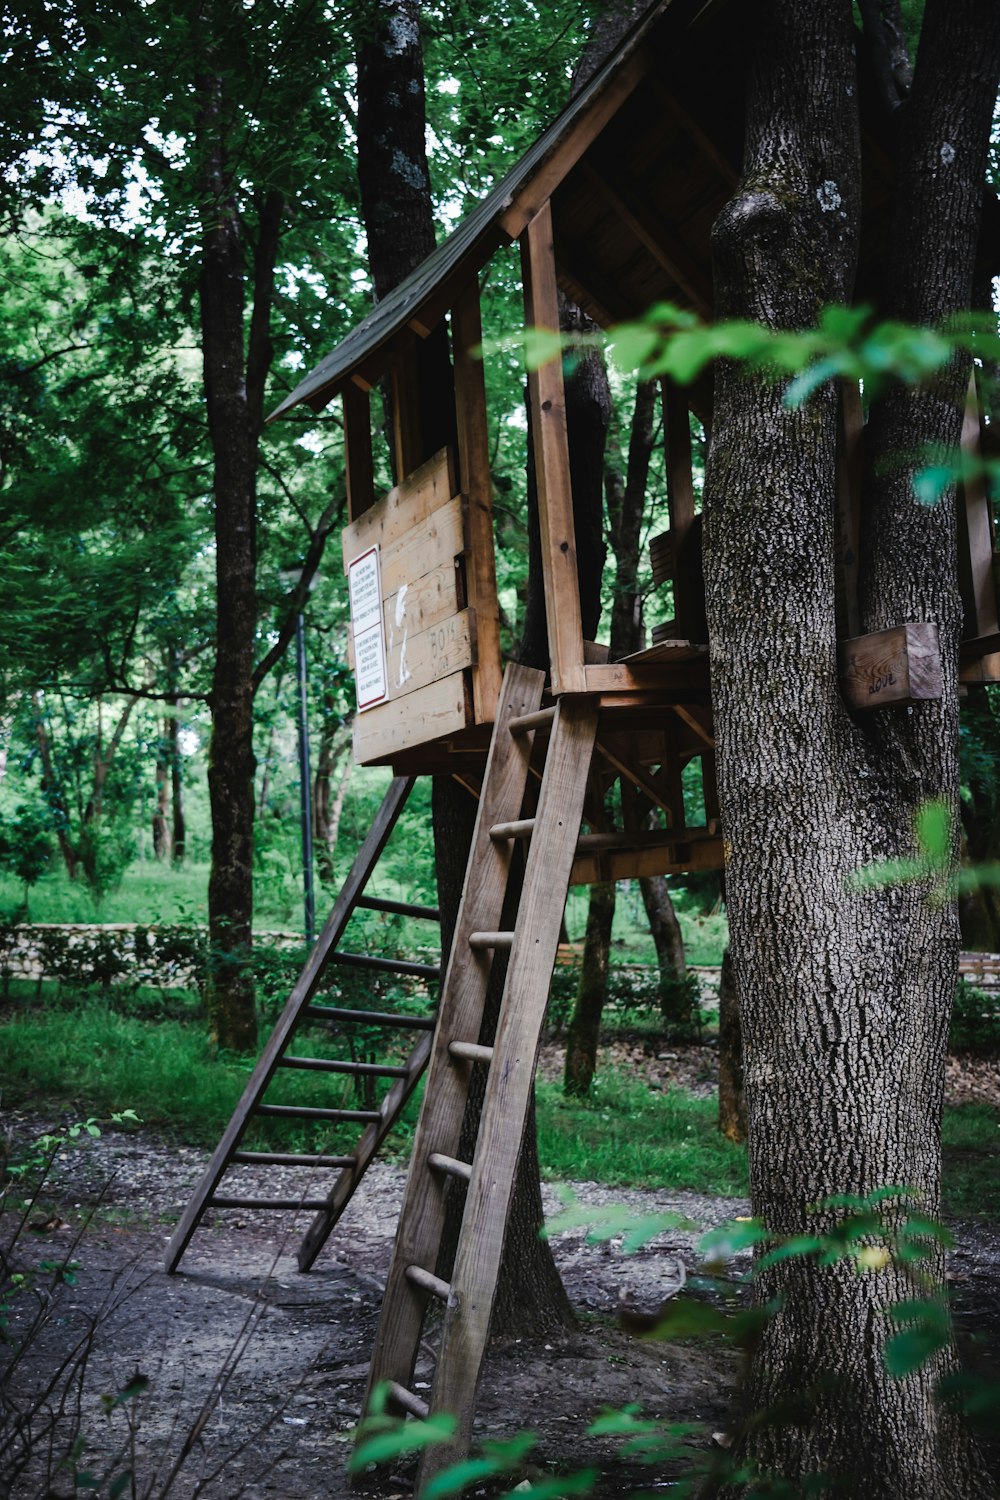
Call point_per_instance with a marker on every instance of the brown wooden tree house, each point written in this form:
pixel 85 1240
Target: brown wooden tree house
pixel 614 206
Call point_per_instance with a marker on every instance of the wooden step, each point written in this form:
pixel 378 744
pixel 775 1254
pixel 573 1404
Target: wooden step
pixel 344 1065
pixel 427 1282
pixel 308 1205
pixel 520 828
pixel 386 965
pixel 450 1165
pixel 291 1159
pixel 471 1052
pixel 338 1013
pixel 315 1112
pixel 481 940
pixel 399 908
pixel 407 1401
pixel 541 718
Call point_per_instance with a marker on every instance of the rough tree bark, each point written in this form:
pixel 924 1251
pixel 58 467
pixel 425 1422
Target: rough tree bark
pixel 234 373
pixel 845 997
pixel 398 213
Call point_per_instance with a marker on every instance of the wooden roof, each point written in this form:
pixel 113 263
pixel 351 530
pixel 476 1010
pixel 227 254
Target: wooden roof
pixel 596 158
pixel 637 168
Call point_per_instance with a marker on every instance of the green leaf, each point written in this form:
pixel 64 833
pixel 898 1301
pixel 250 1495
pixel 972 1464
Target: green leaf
pixel 934 830
pixel 908 1351
pixel 120 1485
pixel 403 1437
pixel 559 1485
pixel 497 1459
pixel 729 1239
pixel 799 1245
pixel 817 375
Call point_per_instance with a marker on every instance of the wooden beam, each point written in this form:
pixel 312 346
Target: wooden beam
pixel 727 170
pixel 534 197
pixel 358 468
pixel 547 409
pixel 638 777
pixel 474 477
pixel 891 667
pixel 656 238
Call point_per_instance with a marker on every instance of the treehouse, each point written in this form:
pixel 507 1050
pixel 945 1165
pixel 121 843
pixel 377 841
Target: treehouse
pixel 613 205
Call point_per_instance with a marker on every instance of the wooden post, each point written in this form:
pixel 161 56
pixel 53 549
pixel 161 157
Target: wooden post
pixel 975 532
pixel 474 479
pixel 850 435
pixel 547 409
pixel 358 470
pixel 407 438
pixel 680 500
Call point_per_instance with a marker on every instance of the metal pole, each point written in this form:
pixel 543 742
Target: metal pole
pixel 305 783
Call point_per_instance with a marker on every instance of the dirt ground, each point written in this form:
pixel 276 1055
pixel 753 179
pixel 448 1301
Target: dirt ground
pixel 296 1346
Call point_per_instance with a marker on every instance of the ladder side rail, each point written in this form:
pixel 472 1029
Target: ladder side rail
pixel 511 1076
pixel 390 1108
pixel 460 1010
pixel 302 992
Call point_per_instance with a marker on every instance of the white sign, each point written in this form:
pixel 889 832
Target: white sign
pixel 365 588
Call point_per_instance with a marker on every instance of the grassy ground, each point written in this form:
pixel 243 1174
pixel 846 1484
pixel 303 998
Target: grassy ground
pixel 84 1060
pixel 153 893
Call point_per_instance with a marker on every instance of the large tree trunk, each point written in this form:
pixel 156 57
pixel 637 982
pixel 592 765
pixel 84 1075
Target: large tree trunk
pixel 584 1032
pixel 845 997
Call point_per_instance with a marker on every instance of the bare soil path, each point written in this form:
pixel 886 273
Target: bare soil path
pixel 280 1428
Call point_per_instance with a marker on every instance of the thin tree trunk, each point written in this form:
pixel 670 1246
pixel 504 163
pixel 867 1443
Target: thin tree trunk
pixel 335 750
pixel 161 823
pixel 584 1032
pixel 178 823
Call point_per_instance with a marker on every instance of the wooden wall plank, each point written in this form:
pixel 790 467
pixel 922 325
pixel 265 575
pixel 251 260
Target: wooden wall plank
pixel 547 408
pixel 412 661
pixel 358 468
pixel 407 503
pixel 436 541
pixel 417 606
pixel 427 714
pixel 474 477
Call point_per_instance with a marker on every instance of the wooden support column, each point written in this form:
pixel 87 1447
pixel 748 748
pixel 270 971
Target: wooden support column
pixel 358 472
pixel 474 479
pixel 850 437
pixel 547 410
pixel 975 532
pixel 688 608
pixel 407 438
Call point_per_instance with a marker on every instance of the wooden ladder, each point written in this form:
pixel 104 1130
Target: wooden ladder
pixel 412 1281
pixel 379 1121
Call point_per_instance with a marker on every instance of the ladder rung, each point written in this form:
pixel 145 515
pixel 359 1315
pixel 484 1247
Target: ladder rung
pixel 387 965
pixel 471 1051
pixel 369 1017
pixel 417 1276
pixel 521 828
pixel 310 1205
pixel 315 1112
pixel 290 1159
pixel 525 722
pixel 399 908
pixel 482 940
pixel 438 1162
pixel 407 1400
pixel 329 1065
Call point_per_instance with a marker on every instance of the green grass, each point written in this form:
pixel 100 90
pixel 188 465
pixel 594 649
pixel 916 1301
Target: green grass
pixel 627 1135
pixel 88 1059
pixel 970 1140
